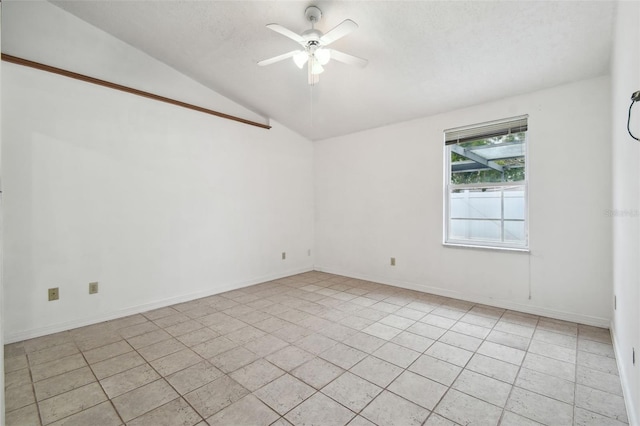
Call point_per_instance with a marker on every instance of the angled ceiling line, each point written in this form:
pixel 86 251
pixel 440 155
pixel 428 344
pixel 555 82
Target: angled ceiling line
pixel 114 86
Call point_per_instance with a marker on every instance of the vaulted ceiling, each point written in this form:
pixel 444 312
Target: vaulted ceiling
pixel 425 57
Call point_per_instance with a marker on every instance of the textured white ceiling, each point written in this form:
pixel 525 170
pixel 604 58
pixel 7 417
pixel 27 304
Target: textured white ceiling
pixel 424 57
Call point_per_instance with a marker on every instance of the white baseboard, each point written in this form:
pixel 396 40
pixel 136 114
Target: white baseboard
pixel 632 409
pixel 505 304
pixel 119 313
pixel 476 298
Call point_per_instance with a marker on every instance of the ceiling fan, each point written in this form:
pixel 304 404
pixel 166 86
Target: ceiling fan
pixel 314 44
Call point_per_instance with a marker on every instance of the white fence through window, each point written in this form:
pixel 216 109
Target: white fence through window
pixel 493 214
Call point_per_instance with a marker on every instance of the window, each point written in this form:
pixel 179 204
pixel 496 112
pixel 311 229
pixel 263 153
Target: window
pixel 486 185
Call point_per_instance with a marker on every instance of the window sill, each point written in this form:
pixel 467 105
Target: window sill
pixel 476 246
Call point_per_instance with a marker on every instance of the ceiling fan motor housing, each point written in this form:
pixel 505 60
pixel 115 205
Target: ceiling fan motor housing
pixel 313 14
pixel 312 36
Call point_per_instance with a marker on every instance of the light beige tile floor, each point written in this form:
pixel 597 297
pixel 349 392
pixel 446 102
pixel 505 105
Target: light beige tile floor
pixel 318 349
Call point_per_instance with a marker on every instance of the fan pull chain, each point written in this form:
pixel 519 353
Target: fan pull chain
pixel 311 105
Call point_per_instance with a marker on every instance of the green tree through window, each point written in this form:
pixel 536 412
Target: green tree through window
pixel 513 168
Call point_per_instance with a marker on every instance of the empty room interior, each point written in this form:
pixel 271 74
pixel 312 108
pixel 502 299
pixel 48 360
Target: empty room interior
pixel 320 213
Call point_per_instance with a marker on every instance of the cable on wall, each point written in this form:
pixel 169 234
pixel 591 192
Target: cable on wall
pixel 635 97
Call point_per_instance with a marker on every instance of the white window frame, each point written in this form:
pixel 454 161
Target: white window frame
pixel 448 187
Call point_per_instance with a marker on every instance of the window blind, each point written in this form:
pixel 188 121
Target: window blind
pixel 486 130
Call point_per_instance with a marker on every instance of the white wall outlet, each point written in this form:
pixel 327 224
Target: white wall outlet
pixel 93 287
pixel 393 261
pixel 284 255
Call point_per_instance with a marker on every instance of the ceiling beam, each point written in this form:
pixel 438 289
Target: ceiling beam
pixel 87 79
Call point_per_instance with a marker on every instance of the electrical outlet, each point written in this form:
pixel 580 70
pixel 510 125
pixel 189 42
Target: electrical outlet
pixel 393 261
pixel 615 303
pixel 284 255
pixel 54 294
pixel 633 355
pixel 309 252
pixel 93 287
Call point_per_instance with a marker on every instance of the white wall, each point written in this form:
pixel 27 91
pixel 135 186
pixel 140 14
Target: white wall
pixel 1 250
pixel 39 31
pixel 379 194
pixel 157 203
pixel 625 74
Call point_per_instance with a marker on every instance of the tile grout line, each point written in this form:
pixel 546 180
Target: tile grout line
pixel 575 383
pixel 180 396
pixel 35 395
pixel 527 350
pixel 575 375
pixel 81 353
pixel 463 368
pixel 513 385
pixel 102 387
pixel 304 308
pixel 347 371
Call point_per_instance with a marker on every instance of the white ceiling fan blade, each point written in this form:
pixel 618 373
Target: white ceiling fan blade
pixel 341 30
pixel 286 32
pixel 278 58
pixel 348 59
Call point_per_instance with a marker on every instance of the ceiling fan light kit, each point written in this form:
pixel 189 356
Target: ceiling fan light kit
pixel 315 53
